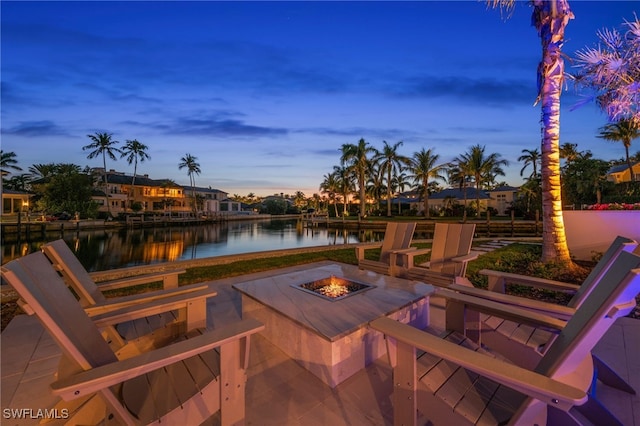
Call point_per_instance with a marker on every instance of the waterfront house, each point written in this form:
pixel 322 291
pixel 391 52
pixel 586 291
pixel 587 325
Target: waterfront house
pixel 620 173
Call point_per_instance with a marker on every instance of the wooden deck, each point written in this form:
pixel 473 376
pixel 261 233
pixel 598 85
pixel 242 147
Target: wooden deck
pixel 279 391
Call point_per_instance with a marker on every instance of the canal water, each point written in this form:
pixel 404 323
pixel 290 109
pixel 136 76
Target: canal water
pixel 100 250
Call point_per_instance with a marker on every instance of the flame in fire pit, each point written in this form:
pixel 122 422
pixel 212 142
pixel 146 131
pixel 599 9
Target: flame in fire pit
pixel 333 288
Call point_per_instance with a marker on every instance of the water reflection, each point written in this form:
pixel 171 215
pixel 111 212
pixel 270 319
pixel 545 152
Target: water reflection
pixel 109 249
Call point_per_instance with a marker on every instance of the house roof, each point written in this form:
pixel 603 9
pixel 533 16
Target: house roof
pixel 14 192
pixel 458 194
pixel 122 179
pixel 202 189
pixel 621 168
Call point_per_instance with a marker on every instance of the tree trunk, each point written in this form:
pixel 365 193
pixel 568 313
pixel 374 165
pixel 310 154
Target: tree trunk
pixel 426 199
pixel 553 17
pixel 106 186
pixel 626 151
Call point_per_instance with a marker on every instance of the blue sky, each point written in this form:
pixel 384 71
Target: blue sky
pixel 265 93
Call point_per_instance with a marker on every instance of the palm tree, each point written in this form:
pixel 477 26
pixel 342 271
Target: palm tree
pixel 530 157
pixel 189 161
pixel 569 151
pixel 42 171
pixel 329 186
pixel 611 71
pixel 391 164
pixel 134 151
pixel 483 168
pixel 623 131
pixel 375 187
pixel 422 168
pixel 398 184
pixel 355 157
pixel 344 180
pixel 458 173
pixel 550 18
pixel 103 145
pixel 8 161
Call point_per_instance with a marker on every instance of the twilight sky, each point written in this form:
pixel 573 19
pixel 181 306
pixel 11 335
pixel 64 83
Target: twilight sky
pixel 265 93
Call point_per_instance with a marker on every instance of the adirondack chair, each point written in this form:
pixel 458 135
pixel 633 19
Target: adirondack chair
pixel 525 344
pixel 455 382
pixel 182 383
pixel 397 239
pixel 450 253
pixel 91 295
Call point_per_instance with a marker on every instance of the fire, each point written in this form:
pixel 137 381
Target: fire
pixel 333 290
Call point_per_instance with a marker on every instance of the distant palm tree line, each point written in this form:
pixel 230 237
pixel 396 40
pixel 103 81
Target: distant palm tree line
pixel 374 173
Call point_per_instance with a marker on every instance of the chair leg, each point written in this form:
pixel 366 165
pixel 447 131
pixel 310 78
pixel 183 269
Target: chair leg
pixel 609 377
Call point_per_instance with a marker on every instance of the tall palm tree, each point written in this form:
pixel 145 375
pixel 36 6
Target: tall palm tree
pixel 103 145
pixel 530 157
pixel 422 168
pixel 550 18
pixel 623 131
pixel 458 174
pixel 193 168
pixel 356 157
pixel 398 184
pixel 134 151
pixel 329 186
pixel 483 168
pixel 375 187
pixel 345 185
pixel 391 164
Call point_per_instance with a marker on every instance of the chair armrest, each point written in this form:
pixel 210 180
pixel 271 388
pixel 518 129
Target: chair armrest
pixel 91 381
pixel 360 248
pixel 105 315
pixel 409 256
pixel 551 309
pixel 508 312
pixel 472 255
pixel 113 303
pixel 543 388
pixel 169 279
pixel 498 279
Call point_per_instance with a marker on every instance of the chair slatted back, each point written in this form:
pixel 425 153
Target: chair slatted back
pixel 450 240
pixel 40 286
pixel 613 297
pixel 76 276
pixel 397 236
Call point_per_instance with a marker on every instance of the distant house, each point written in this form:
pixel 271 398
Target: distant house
pixel 499 198
pixel 153 195
pixel 620 173
pixel 14 202
pixel 160 196
pixel 502 197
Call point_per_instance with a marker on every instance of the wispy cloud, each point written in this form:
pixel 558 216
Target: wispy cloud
pixel 218 126
pixel 35 129
pixel 486 91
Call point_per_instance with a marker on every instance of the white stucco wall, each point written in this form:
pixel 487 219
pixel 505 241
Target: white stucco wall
pixel 591 231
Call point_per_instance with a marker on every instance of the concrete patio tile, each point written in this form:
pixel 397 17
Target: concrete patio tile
pixel 271 413
pixel 24 333
pixel 9 387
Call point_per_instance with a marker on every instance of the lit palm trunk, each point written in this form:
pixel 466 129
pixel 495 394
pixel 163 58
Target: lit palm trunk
pixel 551 18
